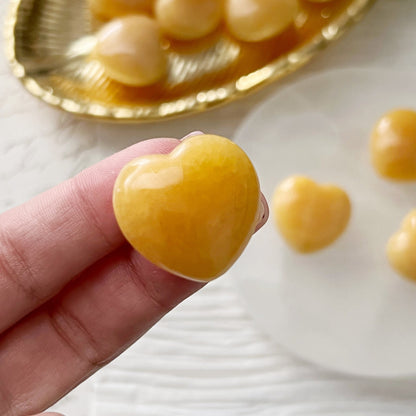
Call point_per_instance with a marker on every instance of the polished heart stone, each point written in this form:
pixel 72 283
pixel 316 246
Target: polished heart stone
pixel 308 215
pixel 191 212
pixel 259 20
pixel 401 248
pixel 187 20
pixel 393 145
pixel 129 49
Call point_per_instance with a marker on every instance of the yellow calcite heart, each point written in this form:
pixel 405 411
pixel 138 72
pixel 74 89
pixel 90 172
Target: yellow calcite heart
pixel 393 145
pixel 130 51
pixel 191 212
pixel 259 20
pixel 401 248
pixel 188 19
pixel 310 216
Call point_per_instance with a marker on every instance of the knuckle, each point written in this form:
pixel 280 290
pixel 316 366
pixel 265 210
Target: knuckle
pixel 88 210
pixel 17 269
pixel 143 284
pixel 74 335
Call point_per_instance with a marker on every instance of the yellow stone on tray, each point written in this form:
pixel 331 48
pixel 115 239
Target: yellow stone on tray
pixel 393 145
pixel 308 215
pixel 130 51
pixel 188 19
pixel 401 248
pixel 108 9
pixel 191 212
pixel 258 20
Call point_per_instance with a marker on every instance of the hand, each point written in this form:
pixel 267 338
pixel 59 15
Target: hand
pixel 73 293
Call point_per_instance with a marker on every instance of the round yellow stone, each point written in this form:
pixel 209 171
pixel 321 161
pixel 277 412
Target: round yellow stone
pixel 191 212
pixel 308 215
pixel 188 19
pixel 401 248
pixel 258 20
pixel 108 9
pixel 129 49
pixel 393 145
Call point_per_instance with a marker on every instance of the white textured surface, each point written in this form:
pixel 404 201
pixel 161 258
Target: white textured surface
pixel 205 358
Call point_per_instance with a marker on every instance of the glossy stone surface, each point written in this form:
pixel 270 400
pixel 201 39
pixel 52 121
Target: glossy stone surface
pixel 401 248
pixel 188 19
pixel 108 9
pixel 191 212
pixel 393 145
pixel 308 215
pixel 258 20
pixel 129 49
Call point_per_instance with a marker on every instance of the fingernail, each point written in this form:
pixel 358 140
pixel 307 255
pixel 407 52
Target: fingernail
pixel 263 213
pixel 194 133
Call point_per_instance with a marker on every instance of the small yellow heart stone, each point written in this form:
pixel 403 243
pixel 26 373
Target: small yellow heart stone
pixel 130 51
pixel 188 19
pixel 310 216
pixel 193 211
pixel 393 145
pixel 401 248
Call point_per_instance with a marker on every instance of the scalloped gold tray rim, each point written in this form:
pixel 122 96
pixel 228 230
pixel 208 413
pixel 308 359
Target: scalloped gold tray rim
pixel 196 102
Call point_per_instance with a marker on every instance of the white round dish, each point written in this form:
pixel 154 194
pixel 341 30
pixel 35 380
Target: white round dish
pixel 343 308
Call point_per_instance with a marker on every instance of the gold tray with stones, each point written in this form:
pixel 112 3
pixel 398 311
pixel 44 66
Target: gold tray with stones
pixel 49 44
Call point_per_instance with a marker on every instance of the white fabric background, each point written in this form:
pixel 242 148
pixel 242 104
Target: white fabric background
pixel 206 357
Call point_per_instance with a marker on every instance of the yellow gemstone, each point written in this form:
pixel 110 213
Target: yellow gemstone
pixel 107 9
pixel 258 20
pixel 310 216
pixel 393 145
pixel 191 212
pixel 188 19
pixel 401 248
pixel 129 49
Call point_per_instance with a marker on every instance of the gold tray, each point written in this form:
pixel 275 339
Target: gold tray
pixel 48 44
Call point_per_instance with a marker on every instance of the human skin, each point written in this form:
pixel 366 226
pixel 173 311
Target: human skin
pixel 73 294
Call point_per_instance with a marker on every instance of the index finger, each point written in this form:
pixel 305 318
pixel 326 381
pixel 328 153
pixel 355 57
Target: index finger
pixel 52 238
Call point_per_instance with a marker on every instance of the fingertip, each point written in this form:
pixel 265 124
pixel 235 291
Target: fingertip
pixel 143 148
pixel 159 145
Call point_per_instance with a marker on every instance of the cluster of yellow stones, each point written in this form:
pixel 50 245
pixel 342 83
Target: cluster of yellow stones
pixel 130 46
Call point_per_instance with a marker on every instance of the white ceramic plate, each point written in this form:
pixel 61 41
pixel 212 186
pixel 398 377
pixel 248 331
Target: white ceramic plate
pixel 343 308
